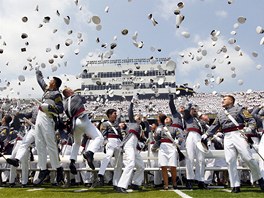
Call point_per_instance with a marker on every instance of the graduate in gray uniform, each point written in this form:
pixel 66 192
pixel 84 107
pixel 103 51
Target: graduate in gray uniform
pixel 258 114
pixel 46 121
pixel 74 109
pixel 22 152
pixel 131 156
pixel 195 131
pixel 168 155
pixel 232 120
pixel 112 134
pixel 177 119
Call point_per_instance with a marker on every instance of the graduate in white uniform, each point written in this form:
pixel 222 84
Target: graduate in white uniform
pixel 194 155
pixel 232 120
pixel 74 109
pixel 131 156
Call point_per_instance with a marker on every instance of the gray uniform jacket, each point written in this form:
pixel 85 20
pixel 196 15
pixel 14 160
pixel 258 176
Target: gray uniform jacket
pixel 241 115
pixel 176 116
pixel 52 97
pixel 75 106
pixel 192 123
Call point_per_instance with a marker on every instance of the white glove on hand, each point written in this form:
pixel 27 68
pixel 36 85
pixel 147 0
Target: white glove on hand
pixel 260 133
pixel 219 134
pixel 166 129
pixel 45 107
pixel 209 143
pixel 141 145
pixel 176 142
pixel 204 136
pixel 217 138
pixel 247 130
pixel 135 99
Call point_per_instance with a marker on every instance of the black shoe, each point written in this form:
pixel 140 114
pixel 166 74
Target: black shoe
pixel 189 184
pixel 73 168
pixel 89 157
pixel 135 187
pixel 59 178
pixel 158 186
pixel 261 183
pixel 14 162
pixel 175 187
pixel 24 186
pixel 202 185
pixel 11 185
pixel 121 190
pixel 236 190
pixel 87 185
pixel 101 180
pixel 42 175
pixel 115 188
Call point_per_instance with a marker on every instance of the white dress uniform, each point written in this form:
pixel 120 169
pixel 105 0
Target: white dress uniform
pixel 131 156
pixel 234 143
pixel 195 130
pixel 261 152
pixel 258 113
pixel 113 134
pixel 45 125
pixel 24 165
pixel 84 125
pixel 167 155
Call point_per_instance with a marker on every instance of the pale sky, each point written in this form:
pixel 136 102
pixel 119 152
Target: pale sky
pixel 243 59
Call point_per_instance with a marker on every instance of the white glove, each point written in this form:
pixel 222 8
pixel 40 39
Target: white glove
pixel 217 138
pixel 260 133
pixel 209 143
pixel 135 99
pixel 176 142
pixel 166 129
pixel 44 107
pixel 247 130
pixel 141 145
pixel 204 136
pixel 219 134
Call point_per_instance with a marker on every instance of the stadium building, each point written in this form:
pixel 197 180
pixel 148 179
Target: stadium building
pixel 122 78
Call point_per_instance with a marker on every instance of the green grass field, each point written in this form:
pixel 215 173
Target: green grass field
pixel 108 192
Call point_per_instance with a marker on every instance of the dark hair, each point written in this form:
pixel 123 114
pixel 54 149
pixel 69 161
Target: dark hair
pixel 8 119
pixel 232 98
pixel 58 82
pixel 162 118
pixel 110 112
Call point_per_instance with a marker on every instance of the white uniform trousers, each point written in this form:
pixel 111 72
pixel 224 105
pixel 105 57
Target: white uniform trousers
pixel 24 165
pixel 28 139
pixel 45 139
pixel 261 152
pixel 131 159
pixel 235 144
pixel 194 153
pixel 110 152
pixel 84 125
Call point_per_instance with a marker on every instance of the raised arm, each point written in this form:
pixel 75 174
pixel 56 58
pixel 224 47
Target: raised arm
pixel 131 113
pixel 173 109
pixel 187 114
pixel 40 80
